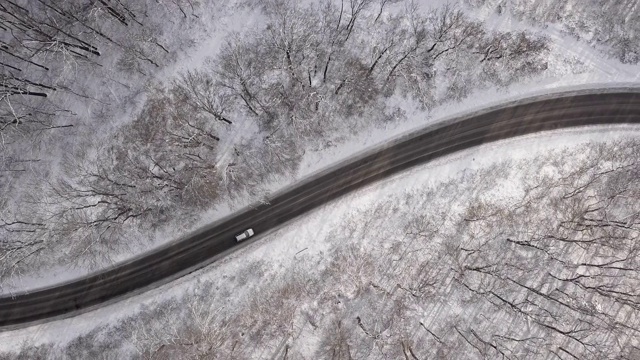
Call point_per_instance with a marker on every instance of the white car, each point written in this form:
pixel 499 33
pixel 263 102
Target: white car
pixel 245 235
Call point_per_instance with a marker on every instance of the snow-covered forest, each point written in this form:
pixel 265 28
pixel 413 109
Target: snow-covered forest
pixel 70 71
pixel 125 124
pixel 307 76
pixel 610 26
pixel 425 267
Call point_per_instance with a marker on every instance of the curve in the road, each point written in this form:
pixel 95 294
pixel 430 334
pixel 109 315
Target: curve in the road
pixel 176 259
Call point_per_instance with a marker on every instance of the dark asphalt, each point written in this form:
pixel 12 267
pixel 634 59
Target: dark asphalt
pixel 201 249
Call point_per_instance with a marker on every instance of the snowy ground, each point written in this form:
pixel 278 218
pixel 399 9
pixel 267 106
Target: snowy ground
pixel 313 236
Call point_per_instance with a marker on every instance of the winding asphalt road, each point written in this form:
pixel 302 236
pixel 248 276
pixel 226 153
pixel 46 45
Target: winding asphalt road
pixel 200 249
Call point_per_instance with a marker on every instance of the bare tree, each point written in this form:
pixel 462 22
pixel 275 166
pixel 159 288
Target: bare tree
pixel 160 165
